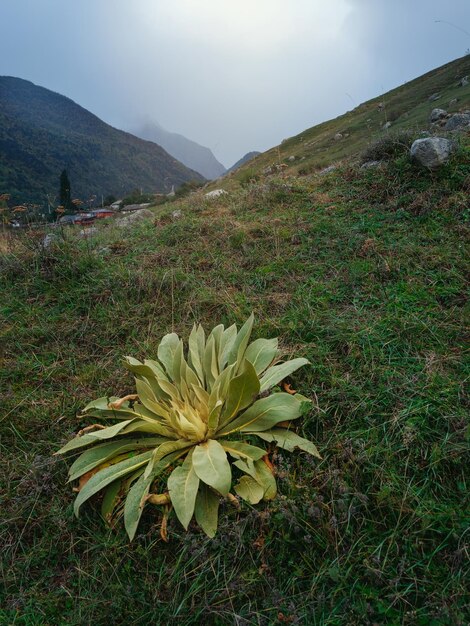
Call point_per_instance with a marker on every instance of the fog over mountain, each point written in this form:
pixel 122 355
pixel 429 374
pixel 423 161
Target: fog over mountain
pixel 190 153
pixel 234 76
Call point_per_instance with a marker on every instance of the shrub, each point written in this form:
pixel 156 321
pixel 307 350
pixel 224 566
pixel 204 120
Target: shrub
pixel 388 147
pixel 189 428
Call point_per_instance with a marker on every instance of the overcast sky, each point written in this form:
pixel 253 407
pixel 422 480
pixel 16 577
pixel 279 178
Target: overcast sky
pixel 234 75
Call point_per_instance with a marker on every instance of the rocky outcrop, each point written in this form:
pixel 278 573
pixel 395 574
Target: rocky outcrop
pixel 134 218
pixel 437 114
pixel 458 121
pixel 432 152
pixel 216 193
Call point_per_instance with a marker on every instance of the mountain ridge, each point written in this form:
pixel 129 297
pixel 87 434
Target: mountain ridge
pixel 43 132
pixel 189 152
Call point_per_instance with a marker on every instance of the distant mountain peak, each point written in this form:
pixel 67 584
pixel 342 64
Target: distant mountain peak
pixel 190 153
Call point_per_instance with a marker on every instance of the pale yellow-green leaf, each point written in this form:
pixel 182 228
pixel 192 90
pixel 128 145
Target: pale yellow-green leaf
pixel 166 351
pixel 241 341
pixel 98 454
pixel 106 476
pixel 261 353
pixel 95 436
pixel 289 441
pixel 183 485
pixel 239 449
pixel 242 391
pixel 135 500
pixel 211 465
pixel 206 510
pixel 264 414
pixel 276 373
pixel 249 489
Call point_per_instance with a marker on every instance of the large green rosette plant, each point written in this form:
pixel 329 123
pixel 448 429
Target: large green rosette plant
pixel 189 428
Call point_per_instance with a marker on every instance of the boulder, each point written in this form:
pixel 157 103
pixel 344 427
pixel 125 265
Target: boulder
pixel 216 193
pixel 464 81
pixel 48 240
pixel 338 136
pixel 458 121
pixel 370 164
pixel 437 114
pixel 134 218
pixel 434 96
pixel 176 214
pixel 386 126
pixel 328 170
pixel 432 152
pixel 291 158
pixel 453 101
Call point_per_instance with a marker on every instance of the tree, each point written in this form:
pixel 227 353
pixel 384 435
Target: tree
pixel 64 192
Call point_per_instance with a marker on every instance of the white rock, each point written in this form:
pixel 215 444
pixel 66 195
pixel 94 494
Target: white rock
pixel 432 152
pixel 176 214
pixel 435 96
pixel 437 114
pixel 386 126
pixel 88 232
pixel 369 165
pixel 464 81
pixel 216 193
pixel 328 170
pixel 338 136
pixel 134 218
pixel 291 158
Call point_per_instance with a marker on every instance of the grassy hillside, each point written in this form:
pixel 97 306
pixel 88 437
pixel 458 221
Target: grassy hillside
pixel 407 107
pixel 42 132
pixel 361 271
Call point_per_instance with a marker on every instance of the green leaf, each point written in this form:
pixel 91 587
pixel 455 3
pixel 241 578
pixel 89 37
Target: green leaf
pixel 265 413
pixel 276 373
pixel 226 344
pixel 289 441
pixel 163 450
pixel 110 499
pixel 183 485
pixel 249 489
pixel 242 390
pixel 239 345
pixel 239 449
pixel 106 476
pixel 196 345
pixel 262 474
pixel 206 510
pixel 261 353
pixel 211 369
pixel 101 453
pixel 212 467
pixel 135 500
pixel 85 440
pixel 166 351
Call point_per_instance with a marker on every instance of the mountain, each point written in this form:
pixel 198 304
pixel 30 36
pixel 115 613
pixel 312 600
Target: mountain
pixel 406 108
pixel 42 132
pixel 193 155
pixel 248 157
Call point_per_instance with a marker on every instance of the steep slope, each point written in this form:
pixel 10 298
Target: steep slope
pixel 249 156
pixel 42 132
pixel 406 107
pixel 192 154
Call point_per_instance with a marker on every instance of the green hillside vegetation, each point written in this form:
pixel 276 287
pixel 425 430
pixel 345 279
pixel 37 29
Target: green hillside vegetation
pixel 408 108
pixel 362 272
pixel 42 133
